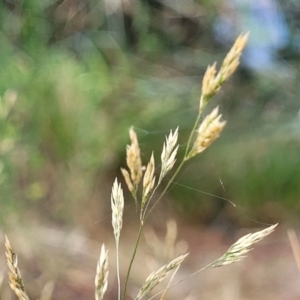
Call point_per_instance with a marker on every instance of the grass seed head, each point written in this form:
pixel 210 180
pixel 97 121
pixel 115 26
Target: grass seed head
pixel 101 274
pixel 209 87
pixel 232 59
pixel 148 181
pixel 127 180
pixel 156 277
pixel 168 155
pixel 242 246
pixel 134 163
pixel 117 205
pixel 212 81
pixel 15 278
pixel 209 130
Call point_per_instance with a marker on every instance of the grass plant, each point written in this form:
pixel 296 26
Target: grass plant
pixel 143 183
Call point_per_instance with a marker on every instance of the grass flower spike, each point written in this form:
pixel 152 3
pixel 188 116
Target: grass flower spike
pixel 232 59
pixel 101 274
pixel 209 86
pixel 15 278
pixel 148 182
pixel 134 163
pixel 156 277
pixel 238 250
pixel 208 131
pixel 204 132
pixel 117 206
pixel 212 81
pixel 168 155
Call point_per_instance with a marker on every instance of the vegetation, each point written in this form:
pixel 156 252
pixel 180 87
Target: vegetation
pixel 205 132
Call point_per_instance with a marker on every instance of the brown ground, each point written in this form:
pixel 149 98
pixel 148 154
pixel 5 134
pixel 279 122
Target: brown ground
pixel 67 261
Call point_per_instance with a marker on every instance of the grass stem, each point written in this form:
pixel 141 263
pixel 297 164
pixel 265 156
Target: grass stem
pixel 132 258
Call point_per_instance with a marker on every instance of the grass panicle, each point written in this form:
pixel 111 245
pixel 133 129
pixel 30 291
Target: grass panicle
pixel 128 181
pixel 134 163
pixel 209 131
pixel 212 81
pixel 242 246
pixel 234 254
pixel 168 155
pixel 156 277
pixel 117 205
pixel 101 274
pixel 15 278
pixel 232 59
pixel 148 182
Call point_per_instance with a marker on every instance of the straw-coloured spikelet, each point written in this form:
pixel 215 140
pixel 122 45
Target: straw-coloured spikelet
pixel 208 131
pixel 156 277
pixel 117 206
pixel 134 163
pixel 168 155
pixel 101 274
pixel 15 279
pixel 148 181
pixel 211 82
pixel 238 250
pixel 232 59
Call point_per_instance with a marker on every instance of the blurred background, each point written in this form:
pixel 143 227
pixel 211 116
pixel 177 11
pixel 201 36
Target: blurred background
pixel 76 74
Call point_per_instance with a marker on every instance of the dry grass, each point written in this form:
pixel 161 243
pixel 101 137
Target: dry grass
pixel 238 250
pixel 101 274
pixel 156 277
pixel 15 278
pixel 209 129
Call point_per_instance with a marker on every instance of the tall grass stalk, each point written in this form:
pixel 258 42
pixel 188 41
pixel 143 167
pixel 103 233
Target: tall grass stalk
pixel 204 132
pixel 208 131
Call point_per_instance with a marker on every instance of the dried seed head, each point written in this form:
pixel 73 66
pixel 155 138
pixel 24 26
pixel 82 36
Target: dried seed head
pixel 232 59
pixel 15 278
pixel 168 155
pixel 101 274
pixel 238 250
pixel 209 86
pixel 117 206
pixel 134 163
pixel 156 277
pixel 208 131
pixel 236 50
pixel 127 180
pixel 212 82
pixel 148 181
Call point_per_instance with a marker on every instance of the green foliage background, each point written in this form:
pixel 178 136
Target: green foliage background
pixel 75 77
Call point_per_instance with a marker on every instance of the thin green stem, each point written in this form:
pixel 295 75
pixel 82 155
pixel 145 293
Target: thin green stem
pixel 201 109
pixel 132 258
pixel 187 149
pixel 118 270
